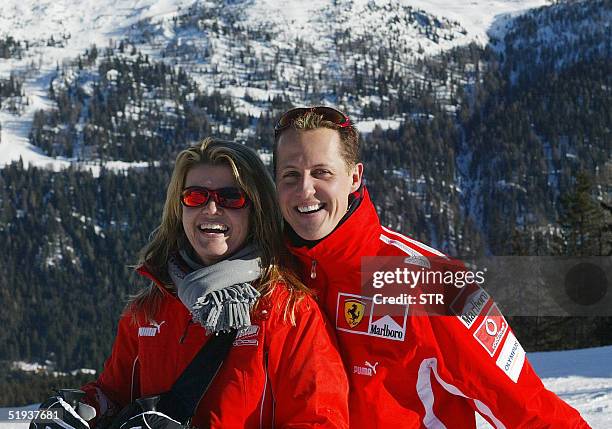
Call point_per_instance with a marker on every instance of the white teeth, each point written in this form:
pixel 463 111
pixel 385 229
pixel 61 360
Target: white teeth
pixel 214 226
pixel 311 208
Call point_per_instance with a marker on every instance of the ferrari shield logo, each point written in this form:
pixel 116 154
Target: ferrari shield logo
pixel 353 311
pixel 360 315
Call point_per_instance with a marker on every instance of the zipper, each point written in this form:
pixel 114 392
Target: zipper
pixel 313 269
pixel 263 399
pixel 185 332
pixel 311 284
pixel 132 390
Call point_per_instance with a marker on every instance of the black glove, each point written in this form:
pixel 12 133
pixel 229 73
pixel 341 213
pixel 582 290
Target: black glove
pixel 150 419
pixel 64 411
pixel 142 414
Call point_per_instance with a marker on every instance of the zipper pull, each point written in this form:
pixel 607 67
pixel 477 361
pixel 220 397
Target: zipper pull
pixel 313 269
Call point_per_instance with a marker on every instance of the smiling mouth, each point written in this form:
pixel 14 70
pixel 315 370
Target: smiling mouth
pixel 311 208
pixel 213 228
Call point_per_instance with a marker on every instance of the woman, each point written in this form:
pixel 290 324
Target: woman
pixel 216 255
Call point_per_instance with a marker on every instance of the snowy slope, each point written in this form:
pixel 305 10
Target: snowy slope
pixel 478 17
pixel 582 378
pixel 74 26
pixel 59 30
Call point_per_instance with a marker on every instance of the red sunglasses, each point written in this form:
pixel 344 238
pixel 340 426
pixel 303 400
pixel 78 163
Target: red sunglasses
pixel 229 198
pixel 329 114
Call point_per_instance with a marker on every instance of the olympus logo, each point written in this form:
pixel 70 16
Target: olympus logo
pixel 512 357
pixel 515 347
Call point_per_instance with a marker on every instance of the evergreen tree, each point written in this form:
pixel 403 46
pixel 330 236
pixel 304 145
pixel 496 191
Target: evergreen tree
pixel 582 220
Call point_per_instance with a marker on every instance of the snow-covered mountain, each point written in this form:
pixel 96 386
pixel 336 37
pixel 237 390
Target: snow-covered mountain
pixel 278 45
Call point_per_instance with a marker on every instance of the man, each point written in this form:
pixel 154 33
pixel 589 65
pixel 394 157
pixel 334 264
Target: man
pixel 404 370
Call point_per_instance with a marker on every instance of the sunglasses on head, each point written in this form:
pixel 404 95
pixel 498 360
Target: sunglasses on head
pixel 329 114
pixel 229 198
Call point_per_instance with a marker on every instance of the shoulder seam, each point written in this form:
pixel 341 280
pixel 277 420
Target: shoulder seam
pixel 415 242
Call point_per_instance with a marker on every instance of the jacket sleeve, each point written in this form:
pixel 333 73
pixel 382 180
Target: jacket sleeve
pixel 117 385
pixel 308 379
pixel 480 358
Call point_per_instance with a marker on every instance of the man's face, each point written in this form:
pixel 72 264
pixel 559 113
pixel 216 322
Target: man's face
pixel 313 181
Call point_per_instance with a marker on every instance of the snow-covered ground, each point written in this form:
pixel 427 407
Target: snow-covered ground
pixel 582 378
pixel 478 17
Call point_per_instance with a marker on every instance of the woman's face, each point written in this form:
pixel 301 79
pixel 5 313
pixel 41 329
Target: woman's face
pixel 213 231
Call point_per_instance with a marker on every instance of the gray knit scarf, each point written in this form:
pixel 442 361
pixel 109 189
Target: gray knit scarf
pixel 219 296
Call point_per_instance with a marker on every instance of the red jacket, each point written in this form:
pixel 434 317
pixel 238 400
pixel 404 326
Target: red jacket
pixel 276 375
pixel 421 372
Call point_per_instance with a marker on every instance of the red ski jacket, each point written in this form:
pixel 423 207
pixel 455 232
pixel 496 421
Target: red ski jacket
pixel 275 375
pixel 408 371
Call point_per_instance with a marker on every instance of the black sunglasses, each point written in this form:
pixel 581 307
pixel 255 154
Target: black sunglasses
pixel 329 114
pixel 229 198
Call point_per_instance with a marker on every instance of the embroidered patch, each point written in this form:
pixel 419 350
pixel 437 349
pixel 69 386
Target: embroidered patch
pixel 150 331
pixel 491 331
pixel 367 369
pixel 247 336
pixel 469 304
pixel 512 357
pixel 353 311
pixel 358 314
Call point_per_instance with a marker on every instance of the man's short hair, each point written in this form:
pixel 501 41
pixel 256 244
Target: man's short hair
pixel 350 147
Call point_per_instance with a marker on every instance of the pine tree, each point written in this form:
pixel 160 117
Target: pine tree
pixel 582 220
